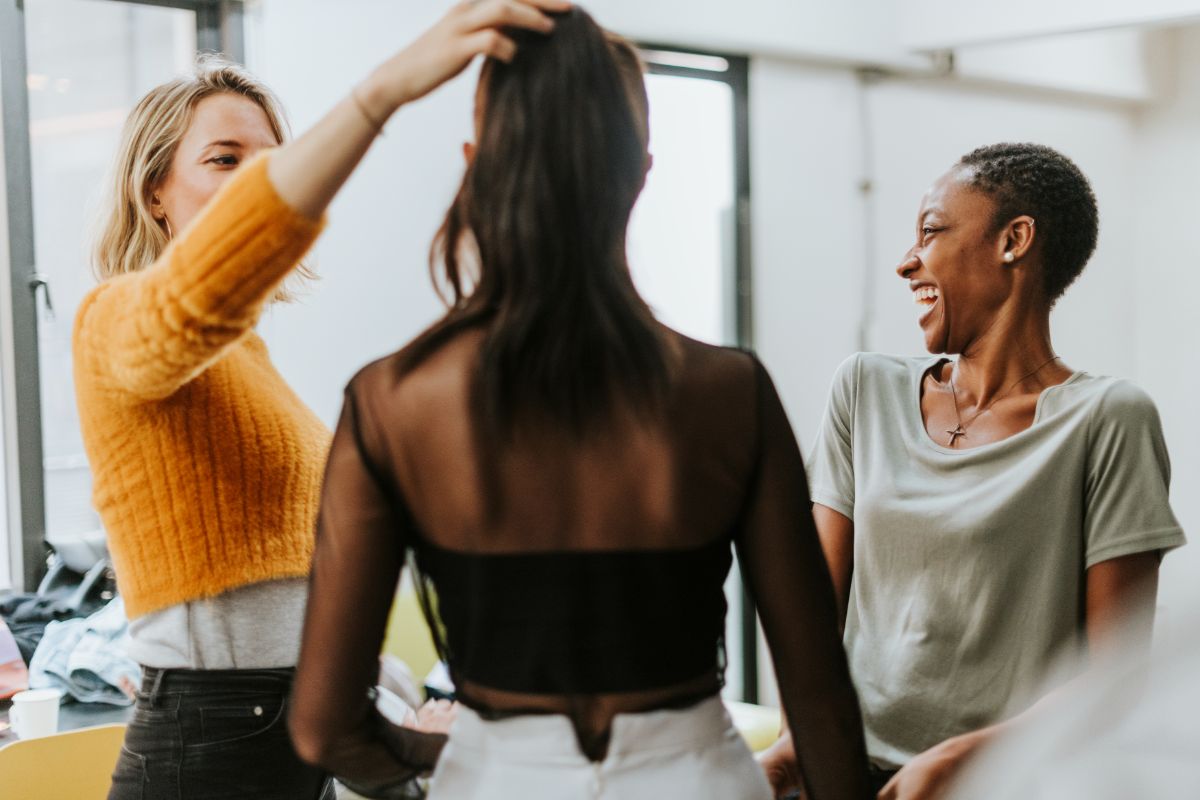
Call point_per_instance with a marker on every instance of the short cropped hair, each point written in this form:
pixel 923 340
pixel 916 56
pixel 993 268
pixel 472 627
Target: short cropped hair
pixel 1039 181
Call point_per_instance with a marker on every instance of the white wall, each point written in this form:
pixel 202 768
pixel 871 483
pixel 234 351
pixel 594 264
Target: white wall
pixel 807 233
pixel 375 292
pixel 853 31
pixel 1111 63
pixel 1163 280
pixel 932 24
pixel 1116 64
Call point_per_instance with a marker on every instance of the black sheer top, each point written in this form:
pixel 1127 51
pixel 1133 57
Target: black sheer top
pixel 579 623
pixel 597 589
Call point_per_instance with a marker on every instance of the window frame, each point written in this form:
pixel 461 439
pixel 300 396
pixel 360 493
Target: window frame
pixel 741 289
pixel 220 28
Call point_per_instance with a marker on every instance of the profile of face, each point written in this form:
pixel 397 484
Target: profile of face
pixel 226 129
pixel 964 270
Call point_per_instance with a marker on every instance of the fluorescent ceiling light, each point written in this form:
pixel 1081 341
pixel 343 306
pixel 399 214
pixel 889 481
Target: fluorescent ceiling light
pixel 672 58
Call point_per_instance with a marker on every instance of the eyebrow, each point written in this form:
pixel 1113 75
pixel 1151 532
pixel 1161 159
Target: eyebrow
pixel 225 143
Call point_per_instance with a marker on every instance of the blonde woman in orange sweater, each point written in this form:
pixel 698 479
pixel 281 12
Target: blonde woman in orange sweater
pixel 207 466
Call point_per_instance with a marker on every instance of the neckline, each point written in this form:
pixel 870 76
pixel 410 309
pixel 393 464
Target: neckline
pixel 915 396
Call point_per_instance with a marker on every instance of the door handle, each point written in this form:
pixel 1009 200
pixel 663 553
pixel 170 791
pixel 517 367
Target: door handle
pixel 39 281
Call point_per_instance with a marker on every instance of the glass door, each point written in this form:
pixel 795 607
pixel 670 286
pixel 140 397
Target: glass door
pixel 85 63
pixel 10 546
pixel 89 61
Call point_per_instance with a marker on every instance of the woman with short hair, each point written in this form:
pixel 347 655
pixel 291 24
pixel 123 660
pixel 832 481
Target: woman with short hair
pixel 986 515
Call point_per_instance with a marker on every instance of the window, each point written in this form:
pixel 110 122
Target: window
pixel 689 241
pixel 67 90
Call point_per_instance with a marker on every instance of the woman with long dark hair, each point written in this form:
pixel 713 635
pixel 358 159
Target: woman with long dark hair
pixel 569 476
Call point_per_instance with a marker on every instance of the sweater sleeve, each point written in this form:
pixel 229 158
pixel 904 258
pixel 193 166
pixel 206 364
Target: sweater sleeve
pixel 151 332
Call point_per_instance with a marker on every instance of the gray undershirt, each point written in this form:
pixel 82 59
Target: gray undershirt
pixel 969 564
pixel 250 627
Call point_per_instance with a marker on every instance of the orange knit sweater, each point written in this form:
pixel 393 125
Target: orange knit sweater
pixel 207 467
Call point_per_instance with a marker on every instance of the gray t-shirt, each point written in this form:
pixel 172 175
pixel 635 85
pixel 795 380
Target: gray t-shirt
pixel 249 627
pixel 969 564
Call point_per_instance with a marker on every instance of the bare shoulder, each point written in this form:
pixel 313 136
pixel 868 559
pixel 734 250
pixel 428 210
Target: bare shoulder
pixel 714 366
pixel 410 388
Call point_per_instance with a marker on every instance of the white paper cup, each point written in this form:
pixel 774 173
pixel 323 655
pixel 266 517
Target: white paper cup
pixel 34 713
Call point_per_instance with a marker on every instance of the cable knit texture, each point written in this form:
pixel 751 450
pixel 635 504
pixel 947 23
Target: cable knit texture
pixel 207 466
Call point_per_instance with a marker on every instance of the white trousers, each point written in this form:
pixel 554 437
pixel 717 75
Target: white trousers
pixel 694 753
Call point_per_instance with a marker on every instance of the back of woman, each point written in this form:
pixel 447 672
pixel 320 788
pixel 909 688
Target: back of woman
pixel 673 479
pixel 580 567
pixel 569 476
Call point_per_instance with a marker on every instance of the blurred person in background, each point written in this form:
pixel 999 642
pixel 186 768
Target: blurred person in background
pixel 1129 729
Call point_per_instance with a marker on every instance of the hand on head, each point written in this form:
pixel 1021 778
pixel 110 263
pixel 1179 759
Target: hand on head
pixel 468 30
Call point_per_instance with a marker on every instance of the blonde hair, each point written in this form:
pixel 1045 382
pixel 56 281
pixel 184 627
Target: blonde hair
pixel 128 237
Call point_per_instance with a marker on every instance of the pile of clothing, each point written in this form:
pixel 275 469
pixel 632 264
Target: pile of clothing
pixel 85 658
pixel 71 634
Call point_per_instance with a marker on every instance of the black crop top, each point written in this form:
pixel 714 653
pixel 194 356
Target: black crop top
pixel 602 576
pixel 580 623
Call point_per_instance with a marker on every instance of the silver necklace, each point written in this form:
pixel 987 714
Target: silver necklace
pixel 961 430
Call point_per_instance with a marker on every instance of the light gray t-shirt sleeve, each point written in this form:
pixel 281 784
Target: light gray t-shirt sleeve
pixel 831 465
pixel 1127 505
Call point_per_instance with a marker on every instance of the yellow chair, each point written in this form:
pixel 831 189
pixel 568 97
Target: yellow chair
pixel 77 765
pixel 759 725
pixel 408 636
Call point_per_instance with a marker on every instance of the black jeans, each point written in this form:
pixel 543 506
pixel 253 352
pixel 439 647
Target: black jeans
pixel 214 735
pixel 880 777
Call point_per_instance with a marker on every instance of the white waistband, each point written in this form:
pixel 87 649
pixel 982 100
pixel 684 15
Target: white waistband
pixel 544 738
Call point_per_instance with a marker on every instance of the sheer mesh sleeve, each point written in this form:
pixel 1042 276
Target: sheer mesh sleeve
pixel 786 574
pixel 361 539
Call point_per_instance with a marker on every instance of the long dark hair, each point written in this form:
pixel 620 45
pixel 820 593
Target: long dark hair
pixel 546 200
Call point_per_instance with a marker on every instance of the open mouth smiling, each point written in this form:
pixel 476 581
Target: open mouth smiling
pixel 926 297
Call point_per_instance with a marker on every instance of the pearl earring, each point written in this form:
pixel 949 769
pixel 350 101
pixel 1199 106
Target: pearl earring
pixel 1009 258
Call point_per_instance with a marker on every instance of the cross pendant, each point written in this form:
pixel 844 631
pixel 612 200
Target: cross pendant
pixel 954 434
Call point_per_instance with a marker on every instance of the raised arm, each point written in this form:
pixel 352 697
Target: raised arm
pixel 783 566
pixel 151 332
pixel 338 141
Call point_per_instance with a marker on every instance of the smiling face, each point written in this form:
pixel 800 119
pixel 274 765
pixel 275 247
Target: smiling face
pixel 225 130
pixel 956 270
